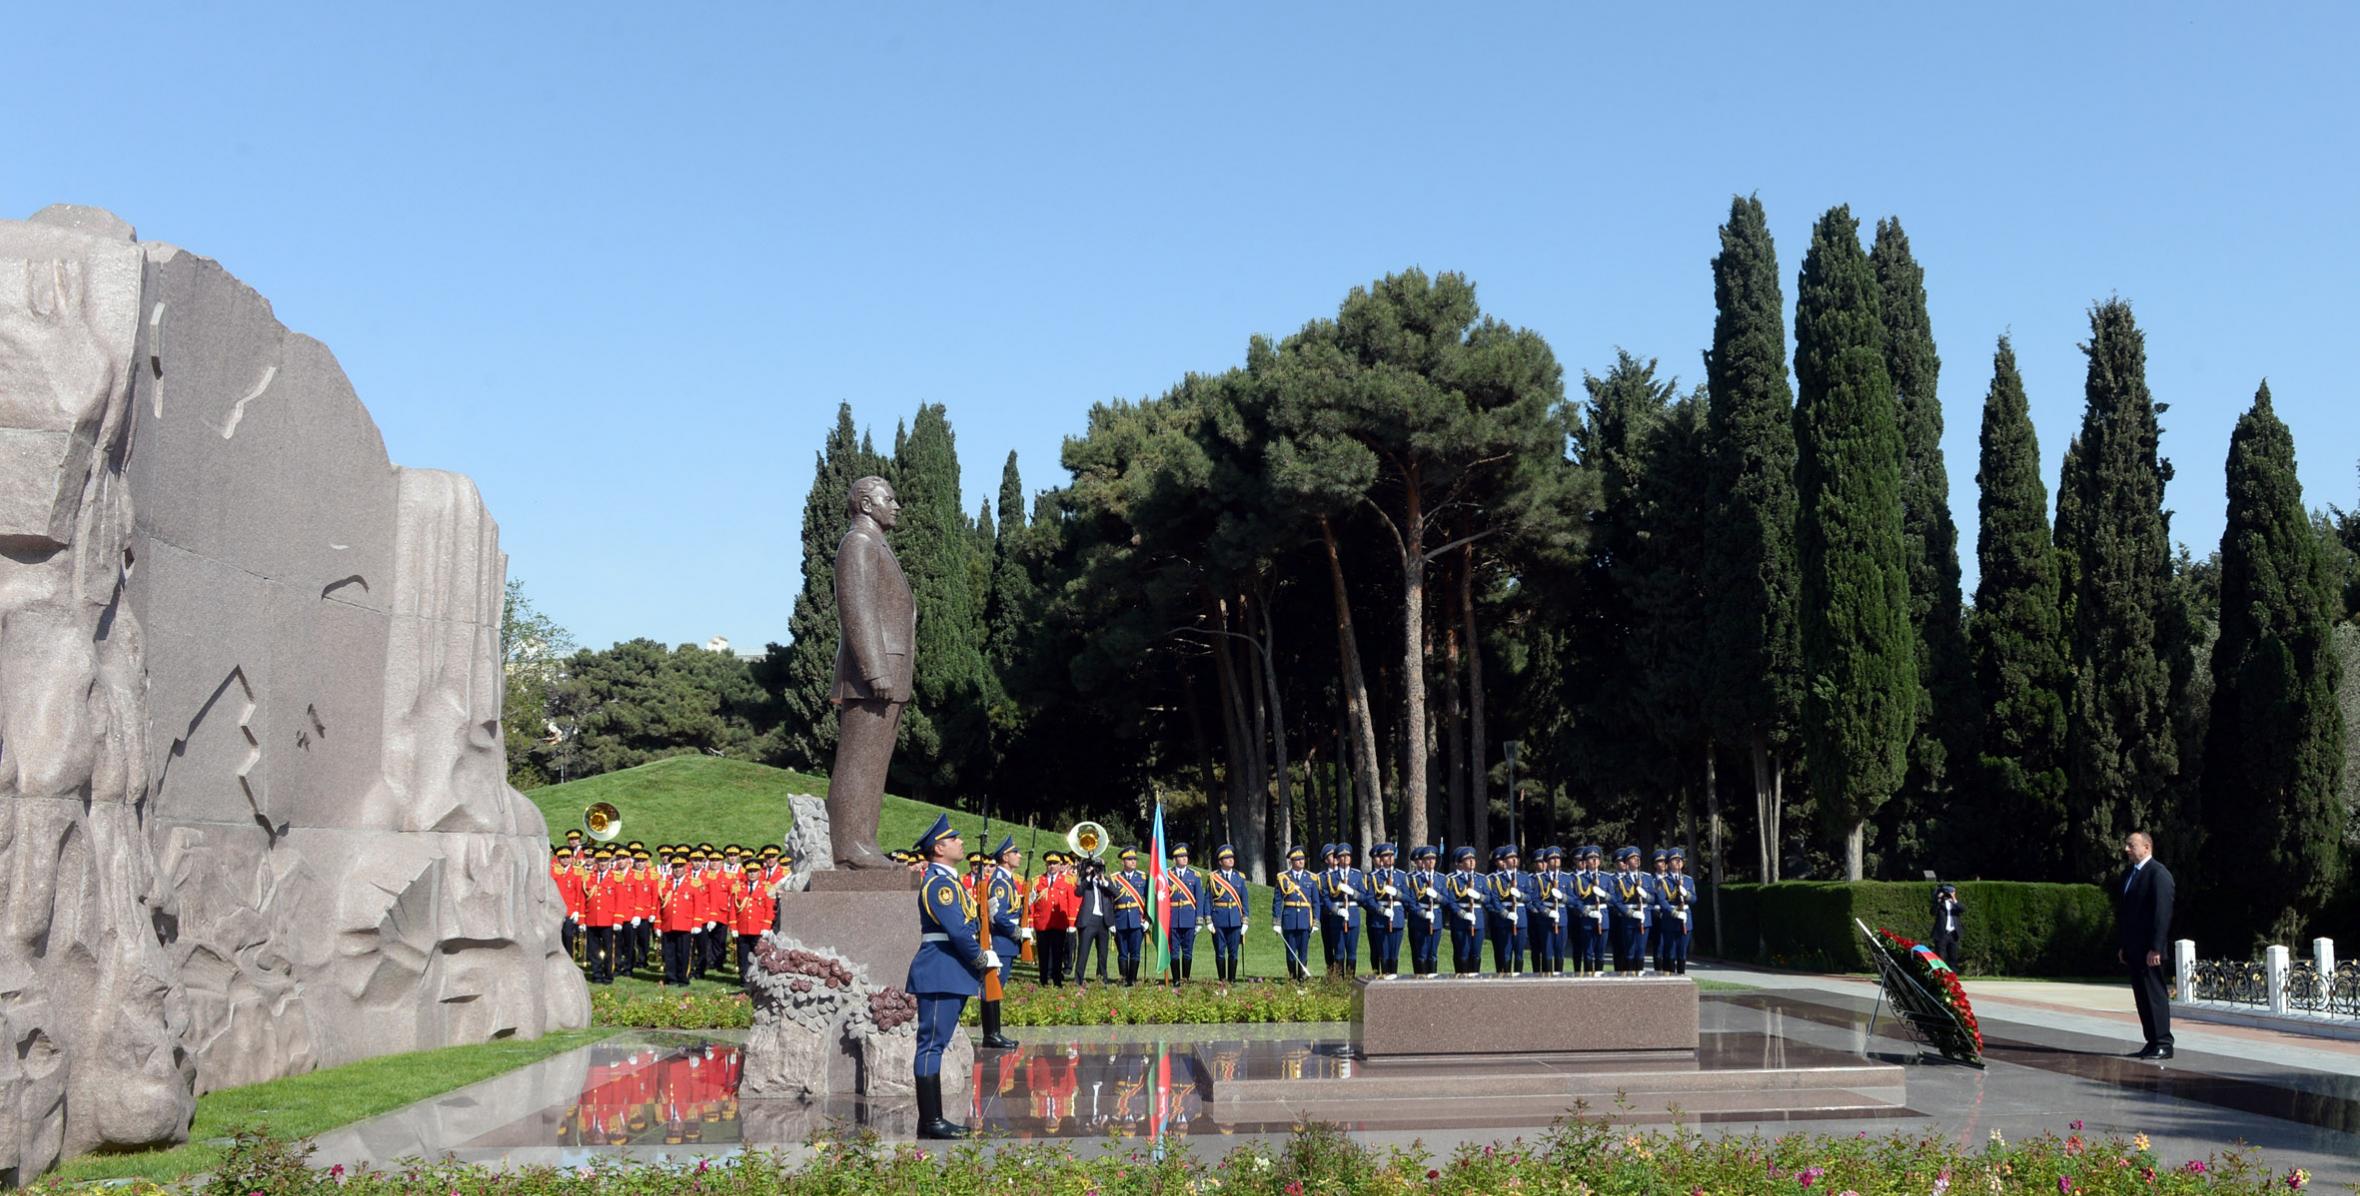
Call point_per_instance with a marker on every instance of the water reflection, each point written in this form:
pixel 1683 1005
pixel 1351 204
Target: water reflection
pixel 632 1096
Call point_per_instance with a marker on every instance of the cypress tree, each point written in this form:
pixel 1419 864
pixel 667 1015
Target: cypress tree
pixel 2273 753
pixel 2021 678
pixel 1611 665
pixel 2114 537
pixel 1014 595
pixel 801 672
pixel 1751 579
pixel 1942 739
pixel 1859 663
pixel 937 547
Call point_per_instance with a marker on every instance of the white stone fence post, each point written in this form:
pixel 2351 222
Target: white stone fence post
pixel 2277 961
pixel 2184 968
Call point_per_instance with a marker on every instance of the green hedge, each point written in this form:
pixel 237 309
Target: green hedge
pixel 2013 928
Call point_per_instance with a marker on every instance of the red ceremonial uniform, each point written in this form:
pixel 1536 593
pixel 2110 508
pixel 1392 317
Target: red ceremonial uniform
pixel 601 897
pixel 755 906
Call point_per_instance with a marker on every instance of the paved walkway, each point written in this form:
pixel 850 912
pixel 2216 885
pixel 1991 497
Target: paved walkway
pixel 2097 1011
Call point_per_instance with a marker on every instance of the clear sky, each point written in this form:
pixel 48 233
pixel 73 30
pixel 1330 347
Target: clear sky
pixel 620 263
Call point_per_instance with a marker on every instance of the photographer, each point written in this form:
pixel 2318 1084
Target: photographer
pixel 1950 919
pixel 1093 920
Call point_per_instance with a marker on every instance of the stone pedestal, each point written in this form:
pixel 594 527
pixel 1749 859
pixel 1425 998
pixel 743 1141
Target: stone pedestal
pixel 876 880
pixel 1468 1019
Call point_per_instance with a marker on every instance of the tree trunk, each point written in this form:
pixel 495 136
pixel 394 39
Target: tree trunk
pixel 1204 748
pixel 1766 802
pixel 1413 662
pixel 1244 748
pixel 1247 820
pixel 1360 727
pixel 1712 815
pixel 1454 736
pixel 1855 843
pixel 1478 741
pixel 1282 826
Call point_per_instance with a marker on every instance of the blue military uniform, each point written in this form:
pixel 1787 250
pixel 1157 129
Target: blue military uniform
pixel 1326 925
pixel 1466 889
pixel 1675 920
pixel 1005 906
pixel 1294 908
pixel 1632 894
pixel 1388 919
pixel 1130 916
pixel 1430 905
pixel 1340 895
pixel 1226 886
pixel 1188 904
pixel 1507 900
pixel 1662 859
pixel 1544 936
pixel 1590 926
pixel 946 970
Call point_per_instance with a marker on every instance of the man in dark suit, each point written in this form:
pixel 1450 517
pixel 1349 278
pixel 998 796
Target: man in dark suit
pixel 1950 921
pixel 877 621
pixel 2143 926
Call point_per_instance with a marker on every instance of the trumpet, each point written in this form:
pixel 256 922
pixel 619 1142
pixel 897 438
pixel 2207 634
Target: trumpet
pixel 603 822
pixel 1087 839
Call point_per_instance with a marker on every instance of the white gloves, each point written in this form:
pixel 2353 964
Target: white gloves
pixel 991 961
pixel 1025 934
pixel 1277 931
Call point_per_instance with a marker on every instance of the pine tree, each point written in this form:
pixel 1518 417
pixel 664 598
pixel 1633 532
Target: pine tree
pixel 2114 540
pixel 2016 821
pixel 1751 574
pixel 936 545
pixel 1624 766
pixel 800 673
pixel 1942 740
pixel 1014 594
pixel 2273 755
pixel 1860 696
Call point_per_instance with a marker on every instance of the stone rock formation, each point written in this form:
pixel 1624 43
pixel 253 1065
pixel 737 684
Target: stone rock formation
pixel 807 840
pixel 254 816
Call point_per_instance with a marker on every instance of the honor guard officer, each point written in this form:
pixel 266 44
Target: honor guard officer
pixel 1663 866
pixel 1591 932
pixel 1466 889
pixel 677 902
pixel 1550 898
pixel 569 894
pixel 1675 902
pixel 1187 886
pixel 1003 909
pixel 601 897
pixel 1326 924
pixel 1342 895
pixel 947 969
pixel 1430 905
pixel 1633 895
pixel 1130 915
pixel 1388 916
pixel 1051 912
pixel 1506 895
pixel 1294 907
pixel 1227 887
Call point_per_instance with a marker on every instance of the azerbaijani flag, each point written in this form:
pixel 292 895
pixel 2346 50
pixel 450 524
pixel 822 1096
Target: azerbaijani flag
pixel 1159 882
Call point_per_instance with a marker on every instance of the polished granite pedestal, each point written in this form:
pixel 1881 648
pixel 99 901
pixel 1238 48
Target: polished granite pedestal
pixel 1473 1020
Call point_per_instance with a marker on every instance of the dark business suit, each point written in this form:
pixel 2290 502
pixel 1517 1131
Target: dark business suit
pixel 2143 923
pixel 1949 924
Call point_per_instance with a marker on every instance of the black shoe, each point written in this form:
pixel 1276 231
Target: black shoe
pixel 930 1120
pixel 2152 1050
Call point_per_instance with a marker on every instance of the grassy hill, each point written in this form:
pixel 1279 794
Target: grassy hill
pixel 705 799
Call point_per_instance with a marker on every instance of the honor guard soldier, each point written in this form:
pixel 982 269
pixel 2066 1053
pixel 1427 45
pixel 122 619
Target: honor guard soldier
pixel 1003 907
pixel 1466 889
pixel 756 909
pixel 1187 886
pixel 947 969
pixel 1326 924
pixel 1342 896
pixel 676 903
pixel 1130 915
pixel 1675 902
pixel 1663 866
pixel 1591 929
pixel 569 896
pixel 600 898
pixel 1633 894
pixel 1388 917
pixel 1227 888
pixel 1430 905
pixel 643 951
pixel 1294 906
pixel 1051 918
pixel 1550 899
pixel 1506 897
pixel 776 869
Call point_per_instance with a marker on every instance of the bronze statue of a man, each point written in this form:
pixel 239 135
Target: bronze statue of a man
pixel 877 622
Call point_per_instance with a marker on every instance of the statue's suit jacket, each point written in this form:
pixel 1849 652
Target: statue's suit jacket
pixel 877 621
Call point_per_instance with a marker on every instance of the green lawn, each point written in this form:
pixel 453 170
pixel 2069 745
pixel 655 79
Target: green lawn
pixel 314 1103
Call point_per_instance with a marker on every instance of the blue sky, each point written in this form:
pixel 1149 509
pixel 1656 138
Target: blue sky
pixel 621 263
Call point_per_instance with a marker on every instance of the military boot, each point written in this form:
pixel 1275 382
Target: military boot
pixel 930 1120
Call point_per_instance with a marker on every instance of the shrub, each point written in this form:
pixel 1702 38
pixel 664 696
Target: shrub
pixel 2013 928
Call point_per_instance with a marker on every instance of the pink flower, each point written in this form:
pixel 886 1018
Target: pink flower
pixel 1295 1188
pixel 2076 1124
pixel 1809 1175
pixel 2296 1179
pixel 336 1172
pixel 704 1165
pixel 2194 1167
pixel 2064 1184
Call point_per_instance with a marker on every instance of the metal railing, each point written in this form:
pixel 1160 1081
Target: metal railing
pixel 2318 987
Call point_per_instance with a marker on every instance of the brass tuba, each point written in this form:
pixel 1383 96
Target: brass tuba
pixel 1087 839
pixel 603 822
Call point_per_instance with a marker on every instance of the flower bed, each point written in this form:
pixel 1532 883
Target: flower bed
pixel 1576 1158
pixel 1156 1005
pixel 694 1009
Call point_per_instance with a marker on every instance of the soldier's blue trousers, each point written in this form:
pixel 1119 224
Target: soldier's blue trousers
pixel 1298 951
pixel 1183 951
pixel 1384 949
pixel 1466 949
pixel 1126 951
pixel 1507 948
pixel 1227 942
pixel 938 1019
pixel 1590 939
pixel 1425 947
pixel 1347 944
pixel 1630 937
pixel 1009 949
pixel 1327 942
pixel 1540 945
pixel 1674 955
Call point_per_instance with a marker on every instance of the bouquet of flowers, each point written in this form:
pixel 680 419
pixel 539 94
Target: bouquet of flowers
pixel 1955 1033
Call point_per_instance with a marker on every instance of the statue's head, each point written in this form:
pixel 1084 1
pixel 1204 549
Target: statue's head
pixel 873 496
